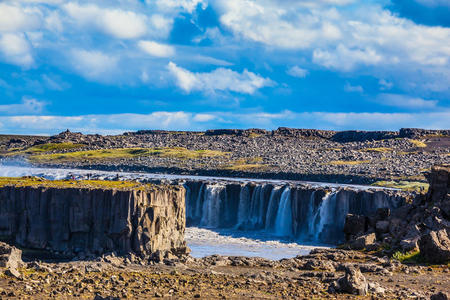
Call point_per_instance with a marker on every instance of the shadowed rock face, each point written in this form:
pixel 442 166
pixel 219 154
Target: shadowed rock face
pixel 73 221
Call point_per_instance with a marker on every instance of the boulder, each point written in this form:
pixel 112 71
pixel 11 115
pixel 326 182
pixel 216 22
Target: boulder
pixel 439 296
pixel 382 226
pixel 363 241
pixel 353 282
pixel 355 224
pixel 435 246
pixel 10 256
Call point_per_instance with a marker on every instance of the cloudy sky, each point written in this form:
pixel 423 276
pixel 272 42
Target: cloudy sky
pixel 112 66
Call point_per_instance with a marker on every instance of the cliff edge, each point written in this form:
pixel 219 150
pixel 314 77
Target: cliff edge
pixel 88 218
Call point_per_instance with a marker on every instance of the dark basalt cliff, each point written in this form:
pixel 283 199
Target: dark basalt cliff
pixel 93 221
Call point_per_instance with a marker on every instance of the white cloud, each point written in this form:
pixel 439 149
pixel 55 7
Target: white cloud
pixel 14 18
pixel 118 23
pixel 218 80
pixel 404 101
pixel 27 106
pixel 186 5
pixel 93 64
pixel 342 39
pixel 296 71
pixel 15 49
pixel 385 85
pixel 156 49
pixel 204 117
pixel 346 59
pixel 353 88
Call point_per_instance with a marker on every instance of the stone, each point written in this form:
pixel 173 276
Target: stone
pixel 353 282
pixel 363 241
pixel 94 220
pixel 439 296
pixel 10 256
pixel 382 213
pixel 435 246
pixel 355 224
pixel 382 226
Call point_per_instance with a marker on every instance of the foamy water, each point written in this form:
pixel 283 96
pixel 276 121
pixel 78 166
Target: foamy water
pixel 204 242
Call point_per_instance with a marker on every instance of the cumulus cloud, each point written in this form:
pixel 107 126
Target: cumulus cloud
pixel 14 18
pixel 405 101
pixel 220 79
pixel 156 49
pixel 28 106
pixel 366 35
pixel 118 23
pixel 16 49
pixel 93 64
pixel 185 5
pixel 298 72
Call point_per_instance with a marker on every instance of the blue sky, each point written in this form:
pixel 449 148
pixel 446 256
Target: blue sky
pixel 113 66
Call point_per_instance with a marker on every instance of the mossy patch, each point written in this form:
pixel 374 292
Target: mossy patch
pixel 408 257
pixel 30 181
pixel 418 144
pixel 174 152
pixel 347 162
pixel 378 149
pixel 410 186
pixel 246 164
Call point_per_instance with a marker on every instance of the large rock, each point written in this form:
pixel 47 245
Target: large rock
pixel 73 221
pixel 363 241
pixel 10 257
pixel 355 225
pixel 435 246
pixel 353 282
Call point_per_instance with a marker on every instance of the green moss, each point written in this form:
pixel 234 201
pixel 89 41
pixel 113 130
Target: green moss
pixel 246 164
pixel 418 144
pixel 404 185
pixel 348 162
pixel 30 181
pixel 175 152
pixel 378 149
pixel 408 257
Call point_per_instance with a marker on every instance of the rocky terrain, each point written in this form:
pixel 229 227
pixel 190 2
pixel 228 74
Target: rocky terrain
pixel 422 226
pixel 300 154
pixel 337 274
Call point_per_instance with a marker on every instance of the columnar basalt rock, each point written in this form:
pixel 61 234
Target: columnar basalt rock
pixel 423 224
pixel 73 221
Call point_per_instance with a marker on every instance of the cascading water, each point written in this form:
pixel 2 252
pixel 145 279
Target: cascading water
pixel 300 212
pixel 283 222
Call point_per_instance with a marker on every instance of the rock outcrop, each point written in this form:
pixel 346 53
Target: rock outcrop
pixel 424 223
pixel 11 259
pixel 93 221
pixel 353 282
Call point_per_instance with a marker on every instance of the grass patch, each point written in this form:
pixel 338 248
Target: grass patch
pixel 347 162
pixel 243 164
pixel 408 257
pixel 53 147
pixel 410 186
pixel 378 149
pixel 418 144
pixel 102 184
pixel 174 152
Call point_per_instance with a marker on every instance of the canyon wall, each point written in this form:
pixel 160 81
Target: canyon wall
pixel 301 212
pixel 70 221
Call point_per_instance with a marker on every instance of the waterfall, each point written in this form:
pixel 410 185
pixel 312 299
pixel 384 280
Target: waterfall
pixel 212 206
pixel 324 215
pixel 301 212
pixel 283 221
pixel 272 208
